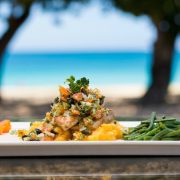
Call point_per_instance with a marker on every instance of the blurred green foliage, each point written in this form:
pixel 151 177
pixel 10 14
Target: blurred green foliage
pixel 17 13
pixel 165 16
pixel 161 12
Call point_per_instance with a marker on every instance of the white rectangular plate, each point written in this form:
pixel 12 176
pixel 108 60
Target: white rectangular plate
pixel 10 145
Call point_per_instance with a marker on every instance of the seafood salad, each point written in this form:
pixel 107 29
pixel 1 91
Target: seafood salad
pixel 77 114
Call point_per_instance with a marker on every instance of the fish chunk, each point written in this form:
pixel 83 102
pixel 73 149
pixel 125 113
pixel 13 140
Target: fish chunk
pixel 66 122
pixel 108 118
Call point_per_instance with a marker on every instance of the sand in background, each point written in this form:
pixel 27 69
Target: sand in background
pixel 122 99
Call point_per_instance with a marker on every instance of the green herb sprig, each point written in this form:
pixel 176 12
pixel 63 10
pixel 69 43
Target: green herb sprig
pixel 77 85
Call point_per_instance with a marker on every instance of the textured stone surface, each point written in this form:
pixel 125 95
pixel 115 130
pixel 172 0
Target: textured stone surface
pixel 92 167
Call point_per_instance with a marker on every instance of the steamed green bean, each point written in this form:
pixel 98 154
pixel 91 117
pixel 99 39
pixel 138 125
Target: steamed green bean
pixel 156 128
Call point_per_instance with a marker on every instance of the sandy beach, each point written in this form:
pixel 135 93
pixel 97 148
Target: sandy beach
pixel 46 93
pixel 33 102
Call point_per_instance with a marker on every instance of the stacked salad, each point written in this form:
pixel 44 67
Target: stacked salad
pixel 77 114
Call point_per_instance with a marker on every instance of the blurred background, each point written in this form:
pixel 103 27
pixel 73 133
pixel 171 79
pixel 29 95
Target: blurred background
pixel 128 49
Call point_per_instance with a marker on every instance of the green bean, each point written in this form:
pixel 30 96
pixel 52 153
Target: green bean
pixel 138 127
pixel 142 130
pixel 172 125
pixel 153 131
pixel 165 120
pixel 130 136
pixel 156 128
pixel 173 133
pixel 145 122
pixel 135 136
pixel 170 122
pixel 161 125
pixel 177 127
pixel 132 130
pixel 160 120
pixel 125 137
pixel 159 135
pixel 147 138
pixel 152 118
pixel 140 137
pixel 171 139
pixel 177 122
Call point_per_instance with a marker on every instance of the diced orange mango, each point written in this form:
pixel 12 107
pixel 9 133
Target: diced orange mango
pixel 48 116
pixel 75 112
pixel 64 91
pixel 63 137
pixel 5 126
pixel 47 138
pixel 1 129
pixel 106 132
pixel 89 100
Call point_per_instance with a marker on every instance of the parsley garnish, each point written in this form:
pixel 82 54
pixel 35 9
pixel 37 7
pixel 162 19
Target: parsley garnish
pixel 77 85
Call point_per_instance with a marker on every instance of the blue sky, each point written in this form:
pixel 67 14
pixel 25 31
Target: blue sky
pixel 90 30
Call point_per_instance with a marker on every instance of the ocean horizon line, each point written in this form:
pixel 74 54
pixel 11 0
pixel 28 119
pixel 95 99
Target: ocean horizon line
pixel 83 52
pixel 108 68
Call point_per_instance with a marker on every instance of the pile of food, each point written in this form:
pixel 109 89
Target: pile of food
pixel 77 114
pixel 155 128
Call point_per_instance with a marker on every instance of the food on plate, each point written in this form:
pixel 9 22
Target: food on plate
pixel 5 126
pixel 106 132
pixel 155 128
pixel 77 114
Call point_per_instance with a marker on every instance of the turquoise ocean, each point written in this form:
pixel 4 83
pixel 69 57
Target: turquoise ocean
pixel 42 69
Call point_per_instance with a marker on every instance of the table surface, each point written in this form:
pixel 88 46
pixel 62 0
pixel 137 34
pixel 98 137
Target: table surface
pixel 90 167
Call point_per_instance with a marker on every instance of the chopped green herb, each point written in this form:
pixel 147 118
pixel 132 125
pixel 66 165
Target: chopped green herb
pixel 77 85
